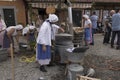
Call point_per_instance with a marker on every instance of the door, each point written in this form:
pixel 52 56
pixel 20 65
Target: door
pixel 77 17
pixel 9 17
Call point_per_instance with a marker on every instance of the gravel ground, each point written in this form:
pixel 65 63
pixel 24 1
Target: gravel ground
pixel 104 59
pixel 30 71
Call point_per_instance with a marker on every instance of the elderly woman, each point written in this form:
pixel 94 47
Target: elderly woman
pixel 43 49
pixel 2 28
pixel 10 32
pixel 88 30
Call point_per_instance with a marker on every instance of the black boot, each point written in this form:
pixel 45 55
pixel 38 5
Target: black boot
pixel 42 68
pixel 118 47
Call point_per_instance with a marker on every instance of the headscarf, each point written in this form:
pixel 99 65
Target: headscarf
pixel 86 16
pixel 19 27
pixel 53 18
pixel 31 27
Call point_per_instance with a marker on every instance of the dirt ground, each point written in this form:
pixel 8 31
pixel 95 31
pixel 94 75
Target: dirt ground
pixel 30 71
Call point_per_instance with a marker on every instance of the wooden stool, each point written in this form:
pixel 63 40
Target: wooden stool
pixel 79 77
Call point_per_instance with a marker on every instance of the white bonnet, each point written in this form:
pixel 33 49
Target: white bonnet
pixel 53 18
pixel 86 16
pixel 31 27
pixel 19 27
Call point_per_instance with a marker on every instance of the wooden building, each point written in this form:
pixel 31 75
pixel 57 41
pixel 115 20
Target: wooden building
pixel 79 7
pixel 25 11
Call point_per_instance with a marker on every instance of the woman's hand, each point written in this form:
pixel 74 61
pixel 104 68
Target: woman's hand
pixel 62 30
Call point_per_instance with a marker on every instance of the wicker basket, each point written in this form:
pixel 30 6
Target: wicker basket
pixel 50 10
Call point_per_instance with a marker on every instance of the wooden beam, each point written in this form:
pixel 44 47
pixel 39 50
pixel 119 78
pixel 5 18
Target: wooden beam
pixel 55 1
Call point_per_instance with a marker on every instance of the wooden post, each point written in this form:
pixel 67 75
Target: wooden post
pixel 12 62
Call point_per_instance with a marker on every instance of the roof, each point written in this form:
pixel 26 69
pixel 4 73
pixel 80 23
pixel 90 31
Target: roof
pixel 73 1
pixel 108 1
pixel 55 1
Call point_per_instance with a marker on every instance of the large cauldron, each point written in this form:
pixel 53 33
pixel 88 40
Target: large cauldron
pixel 63 41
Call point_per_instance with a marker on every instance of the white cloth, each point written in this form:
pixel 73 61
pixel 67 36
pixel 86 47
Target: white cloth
pixel 44 62
pixel 3 24
pixel 31 27
pixel 18 27
pixel 88 21
pixel 25 30
pixel 53 18
pixel 9 28
pixel 3 27
pixel 45 32
pixel 44 35
pixel 86 16
pixel 70 49
pixel 55 30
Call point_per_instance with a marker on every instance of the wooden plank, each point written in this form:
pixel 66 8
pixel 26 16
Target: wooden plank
pixel 79 77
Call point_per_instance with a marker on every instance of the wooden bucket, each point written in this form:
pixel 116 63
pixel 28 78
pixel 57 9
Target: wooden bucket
pixel 50 10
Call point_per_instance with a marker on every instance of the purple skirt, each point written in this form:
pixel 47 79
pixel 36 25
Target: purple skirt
pixel 6 41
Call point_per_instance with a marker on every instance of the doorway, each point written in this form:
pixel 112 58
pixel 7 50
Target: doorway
pixel 9 17
pixel 77 19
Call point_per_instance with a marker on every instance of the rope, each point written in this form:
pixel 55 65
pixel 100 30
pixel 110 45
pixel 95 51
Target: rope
pixel 27 59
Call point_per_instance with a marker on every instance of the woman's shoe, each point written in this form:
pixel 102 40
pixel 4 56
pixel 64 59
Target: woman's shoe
pixel 118 47
pixel 42 68
pixel 112 46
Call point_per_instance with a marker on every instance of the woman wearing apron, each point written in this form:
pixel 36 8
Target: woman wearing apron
pixel 11 32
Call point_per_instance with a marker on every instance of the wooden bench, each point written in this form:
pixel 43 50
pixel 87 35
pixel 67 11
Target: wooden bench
pixel 79 77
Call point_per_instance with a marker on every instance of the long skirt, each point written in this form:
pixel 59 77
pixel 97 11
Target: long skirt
pixel 43 57
pixel 6 41
pixel 1 38
pixel 88 35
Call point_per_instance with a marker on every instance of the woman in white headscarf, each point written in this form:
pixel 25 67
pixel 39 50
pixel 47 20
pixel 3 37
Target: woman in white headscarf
pixel 43 49
pixel 29 33
pixel 11 32
pixel 87 30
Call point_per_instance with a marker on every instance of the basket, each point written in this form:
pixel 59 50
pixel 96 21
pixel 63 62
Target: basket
pixel 50 10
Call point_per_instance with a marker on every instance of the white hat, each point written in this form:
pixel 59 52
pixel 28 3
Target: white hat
pixel 31 27
pixel 19 27
pixel 53 18
pixel 86 16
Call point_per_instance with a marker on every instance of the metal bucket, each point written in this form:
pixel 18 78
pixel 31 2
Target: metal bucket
pixel 63 37
pixel 3 54
pixel 63 41
pixel 61 50
pixel 77 55
pixel 73 70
